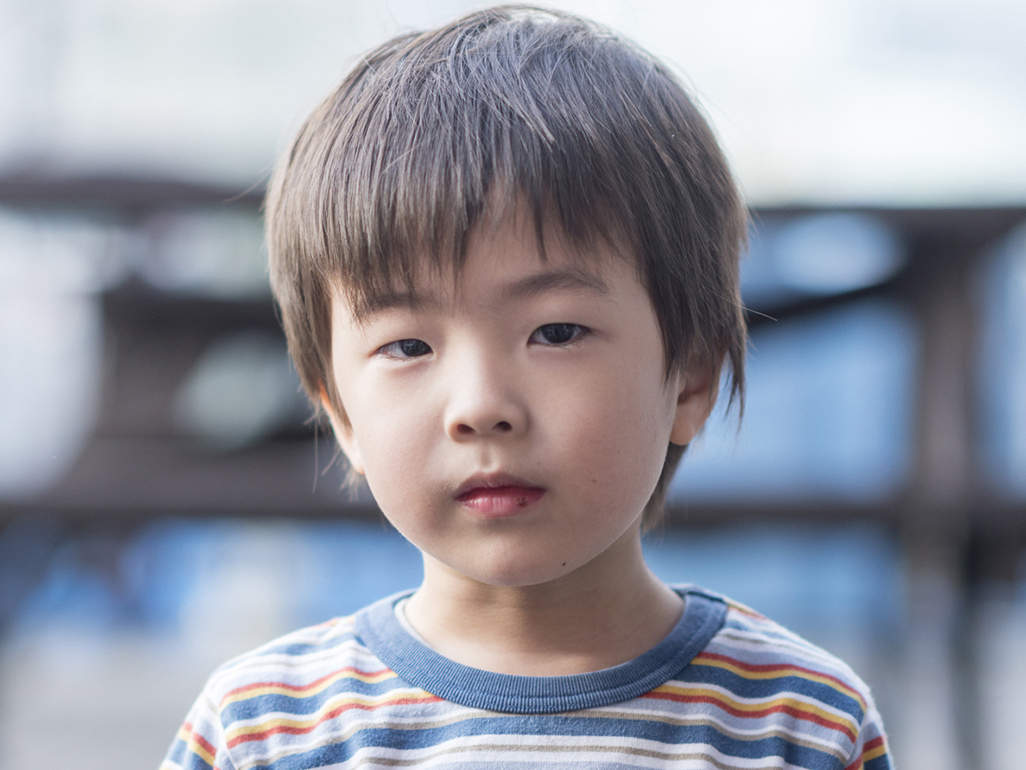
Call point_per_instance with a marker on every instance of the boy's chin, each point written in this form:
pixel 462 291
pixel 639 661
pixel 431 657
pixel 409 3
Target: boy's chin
pixel 524 562
pixel 512 573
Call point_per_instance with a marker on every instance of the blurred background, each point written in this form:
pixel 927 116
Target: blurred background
pixel 165 502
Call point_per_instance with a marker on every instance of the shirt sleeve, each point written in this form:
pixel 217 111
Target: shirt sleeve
pixel 200 742
pixel 871 751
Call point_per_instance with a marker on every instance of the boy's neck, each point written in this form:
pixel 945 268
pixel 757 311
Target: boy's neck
pixel 606 613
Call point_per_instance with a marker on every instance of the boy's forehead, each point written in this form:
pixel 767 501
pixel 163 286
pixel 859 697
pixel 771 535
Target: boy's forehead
pixel 509 255
pixel 438 296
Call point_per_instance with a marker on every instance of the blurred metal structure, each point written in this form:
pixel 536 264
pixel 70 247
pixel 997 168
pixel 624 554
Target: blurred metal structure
pixel 135 466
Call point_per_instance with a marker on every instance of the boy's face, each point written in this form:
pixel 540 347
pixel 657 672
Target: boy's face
pixel 513 426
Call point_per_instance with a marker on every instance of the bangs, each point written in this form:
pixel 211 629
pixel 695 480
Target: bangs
pixel 542 115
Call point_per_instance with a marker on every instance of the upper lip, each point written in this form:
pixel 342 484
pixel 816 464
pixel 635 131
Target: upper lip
pixel 492 481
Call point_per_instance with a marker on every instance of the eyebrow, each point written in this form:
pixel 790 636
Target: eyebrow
pixel 402 300
pixel 570 279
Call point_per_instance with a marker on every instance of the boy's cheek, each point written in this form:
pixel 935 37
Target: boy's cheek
pixel 344 435
pixel 398 451
pixel 351 449
pixel 627 409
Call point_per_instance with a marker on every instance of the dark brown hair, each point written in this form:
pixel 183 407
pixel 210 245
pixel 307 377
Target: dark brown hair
pixel 506 105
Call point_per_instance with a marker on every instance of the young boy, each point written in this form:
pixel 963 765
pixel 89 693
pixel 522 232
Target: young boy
pixel 505 253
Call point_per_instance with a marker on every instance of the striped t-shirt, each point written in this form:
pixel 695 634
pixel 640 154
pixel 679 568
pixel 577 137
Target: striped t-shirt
pixel 726 689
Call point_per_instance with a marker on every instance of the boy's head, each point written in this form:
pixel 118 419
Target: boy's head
pixel 508 114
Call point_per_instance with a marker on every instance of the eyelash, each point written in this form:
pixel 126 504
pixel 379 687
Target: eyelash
pixel 396 349
pixel 576 332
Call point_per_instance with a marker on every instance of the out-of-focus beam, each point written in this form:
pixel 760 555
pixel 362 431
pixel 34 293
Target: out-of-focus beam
pixel 124 194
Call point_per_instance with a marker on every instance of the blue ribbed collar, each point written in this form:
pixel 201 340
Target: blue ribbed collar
pixel 422 667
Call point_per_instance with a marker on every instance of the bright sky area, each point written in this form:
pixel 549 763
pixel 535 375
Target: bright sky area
pixel 893 102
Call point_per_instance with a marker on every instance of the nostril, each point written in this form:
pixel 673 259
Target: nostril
pixel 464 428
pixel 503 426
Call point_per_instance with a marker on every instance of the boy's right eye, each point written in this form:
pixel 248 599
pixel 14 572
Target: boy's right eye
pixel 405 349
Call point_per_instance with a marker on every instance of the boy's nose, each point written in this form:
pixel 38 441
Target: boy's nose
pixel 482 404
pixel 466 429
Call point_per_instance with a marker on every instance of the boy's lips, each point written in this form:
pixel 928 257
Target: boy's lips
pixel 497 495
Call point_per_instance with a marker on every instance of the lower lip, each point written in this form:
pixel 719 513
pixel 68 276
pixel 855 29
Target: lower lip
pixel 497 502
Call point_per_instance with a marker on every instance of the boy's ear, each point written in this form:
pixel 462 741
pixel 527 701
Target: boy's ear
pixel 343 435
pixel 696 397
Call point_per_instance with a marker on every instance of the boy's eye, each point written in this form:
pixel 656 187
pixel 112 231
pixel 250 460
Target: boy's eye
pixel 557 334
pixel 405 349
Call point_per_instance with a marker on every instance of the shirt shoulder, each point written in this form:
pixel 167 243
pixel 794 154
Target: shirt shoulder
pixel 298 659
pixel 762 676
pixel 280 694
pixel 755 649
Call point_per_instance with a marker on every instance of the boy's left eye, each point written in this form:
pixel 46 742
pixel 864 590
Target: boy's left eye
pixel 405 349
pixel 557 334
